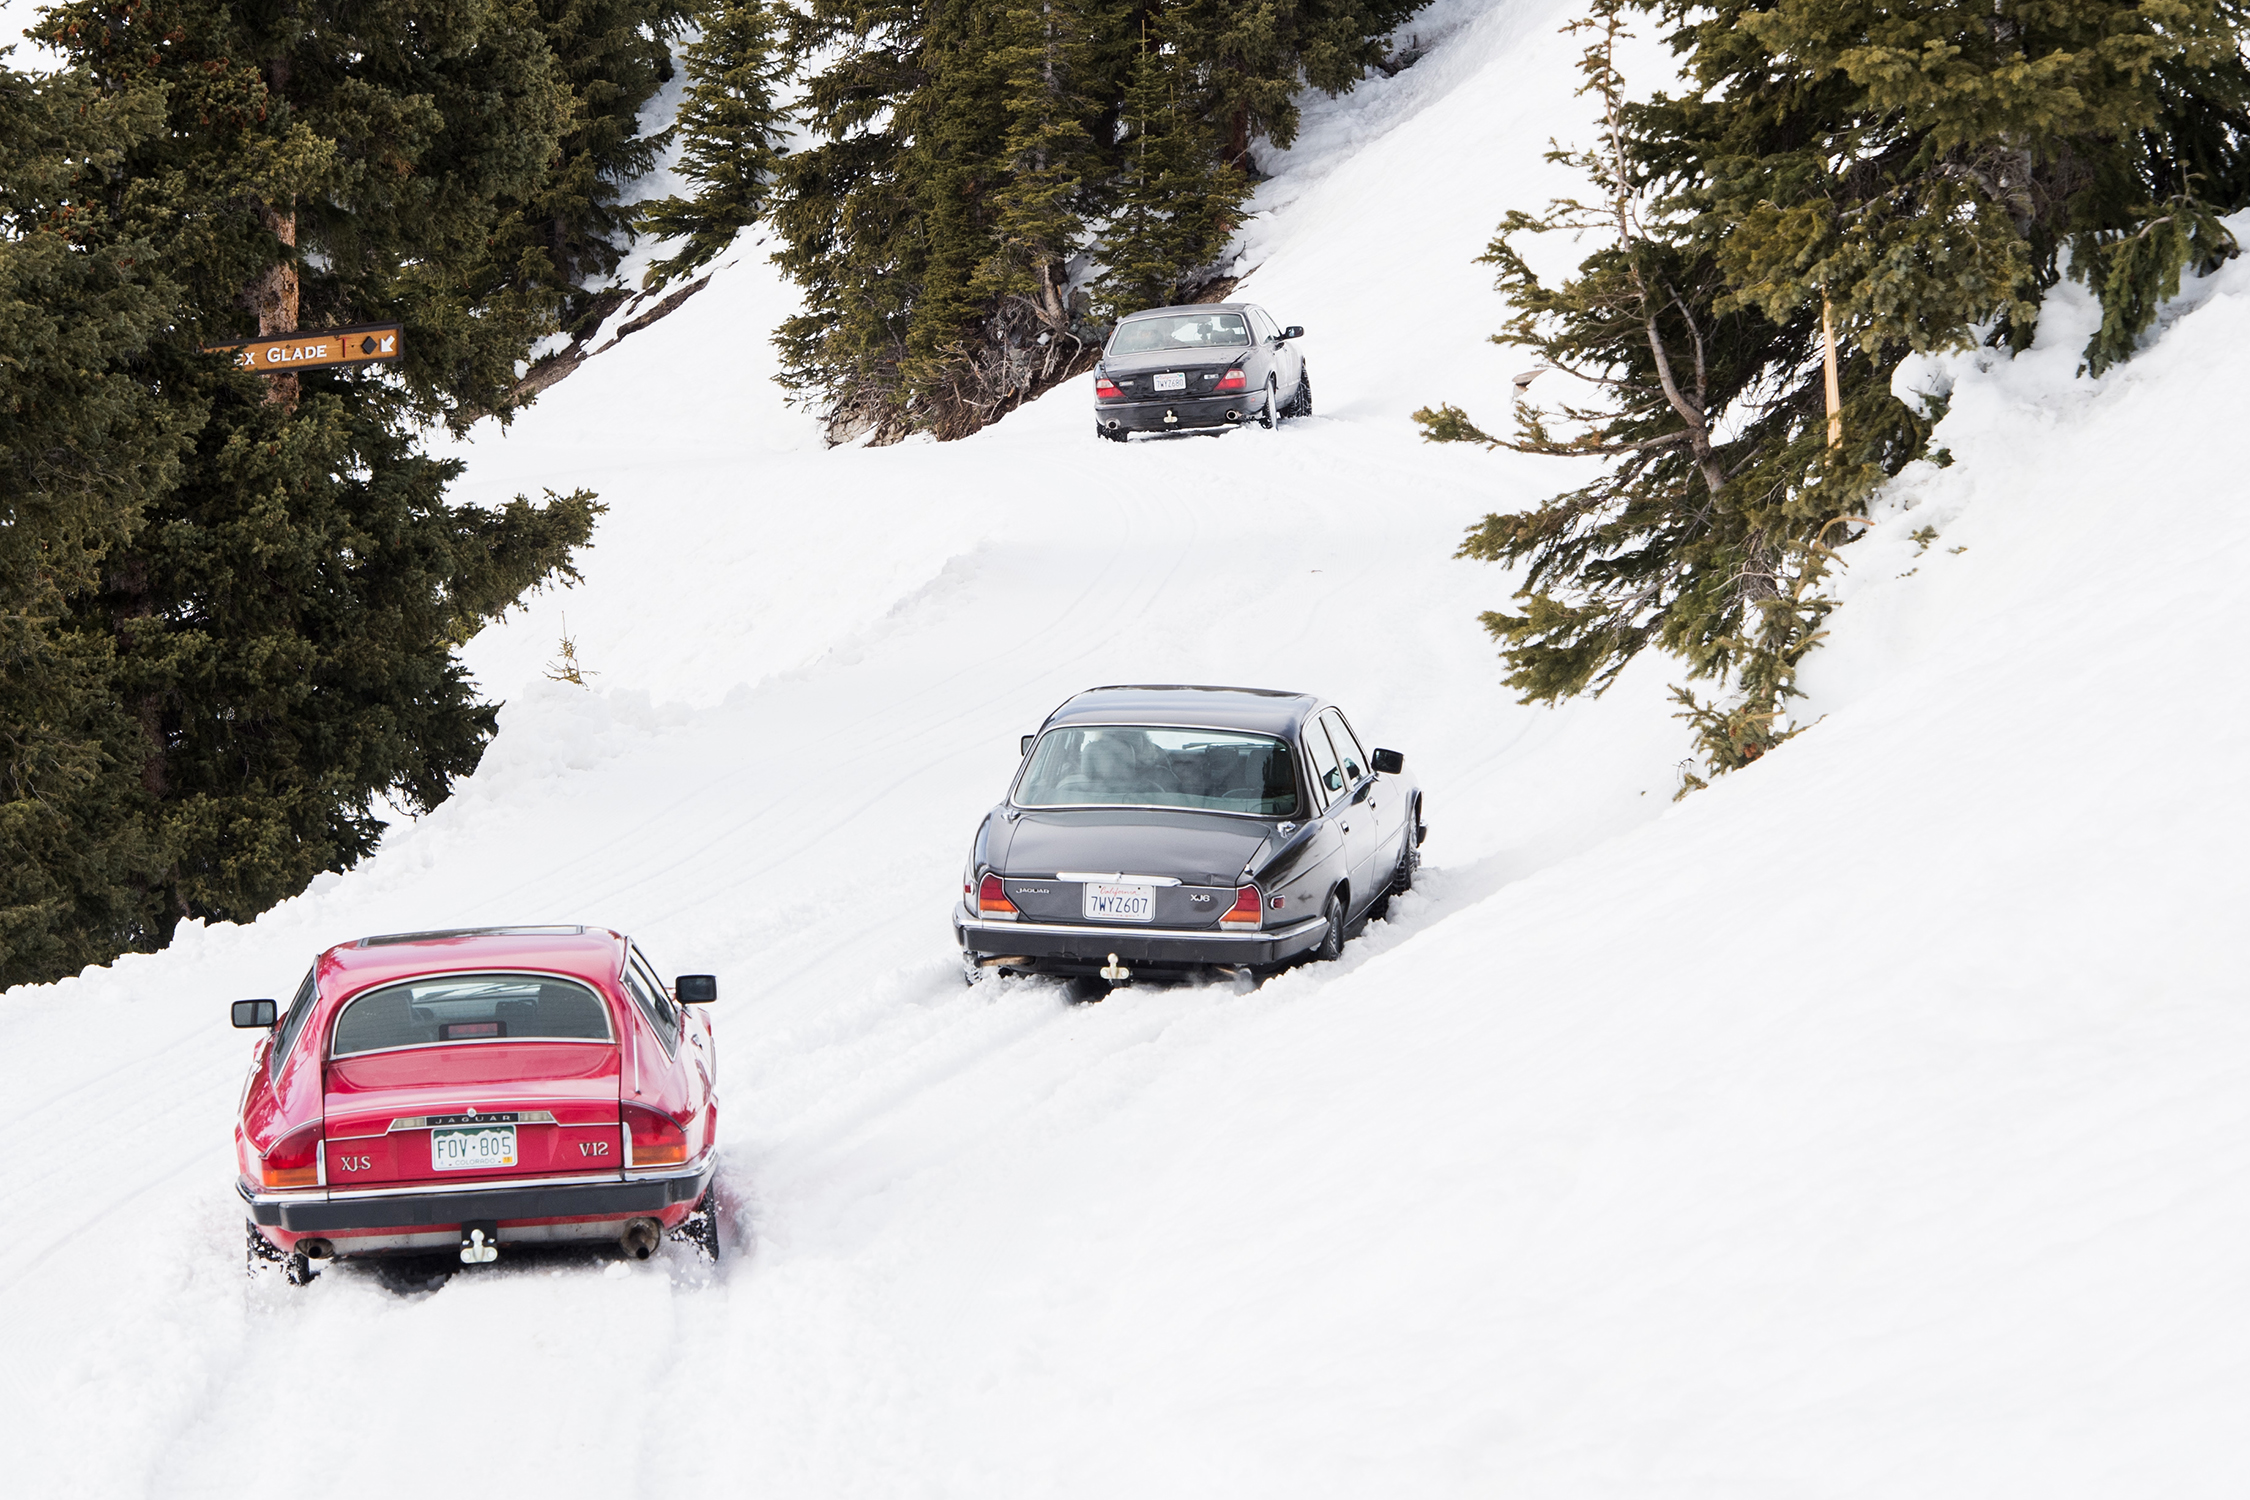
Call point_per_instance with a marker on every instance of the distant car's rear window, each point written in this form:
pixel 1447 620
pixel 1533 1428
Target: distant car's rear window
pixel 1188 331
pixel 1124 765
pixel 455 1008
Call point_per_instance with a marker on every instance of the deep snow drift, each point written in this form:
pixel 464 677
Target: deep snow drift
pixel 1873 1123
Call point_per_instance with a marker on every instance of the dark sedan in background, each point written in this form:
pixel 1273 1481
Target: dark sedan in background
pixel 1169 831
pixel 1170 369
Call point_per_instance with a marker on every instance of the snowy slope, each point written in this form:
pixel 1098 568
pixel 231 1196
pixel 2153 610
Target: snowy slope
pixel 1870 1124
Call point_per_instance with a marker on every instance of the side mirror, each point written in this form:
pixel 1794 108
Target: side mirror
pixel 252 1014
pixel 1025 747
pixel 696 989
pixel 1293 331
pixel 1388 762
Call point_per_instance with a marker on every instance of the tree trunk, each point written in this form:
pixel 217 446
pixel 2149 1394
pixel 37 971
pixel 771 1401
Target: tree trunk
pixel 273 297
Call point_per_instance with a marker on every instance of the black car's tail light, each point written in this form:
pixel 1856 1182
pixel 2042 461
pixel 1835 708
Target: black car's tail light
pixel 992 901
pixel 1231 381
pixel 1105 389
pixel 294 1160
pixel 1248 909
pixel 652 1139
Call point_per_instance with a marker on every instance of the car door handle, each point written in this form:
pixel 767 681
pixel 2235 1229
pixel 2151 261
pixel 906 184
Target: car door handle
pixel 1347 828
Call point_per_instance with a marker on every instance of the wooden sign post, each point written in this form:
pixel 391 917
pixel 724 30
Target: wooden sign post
pixel 369 343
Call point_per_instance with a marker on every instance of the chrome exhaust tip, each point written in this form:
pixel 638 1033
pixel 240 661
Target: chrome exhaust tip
pixel 1234 416
pixel 316 1249
pixel 1112 424
pixel 641 1237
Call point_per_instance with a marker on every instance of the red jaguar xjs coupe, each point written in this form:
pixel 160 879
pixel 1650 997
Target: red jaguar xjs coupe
pixel 477 1089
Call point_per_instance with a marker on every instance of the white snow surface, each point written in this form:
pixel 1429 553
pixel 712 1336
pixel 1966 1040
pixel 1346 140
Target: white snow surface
pixel 1874 1123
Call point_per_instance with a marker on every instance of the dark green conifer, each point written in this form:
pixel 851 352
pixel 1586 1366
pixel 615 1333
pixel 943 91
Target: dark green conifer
pixel 612 56
pixel 1921 173
pixel 1178 199
pixel 732 133
pixel 253 642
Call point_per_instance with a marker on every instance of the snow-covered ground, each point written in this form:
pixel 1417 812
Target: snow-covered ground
pixel 1876 1122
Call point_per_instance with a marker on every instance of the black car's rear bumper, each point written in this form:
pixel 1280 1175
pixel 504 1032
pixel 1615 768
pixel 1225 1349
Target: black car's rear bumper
pixel 1067 948
pixel 417 1208
pixel 1173 416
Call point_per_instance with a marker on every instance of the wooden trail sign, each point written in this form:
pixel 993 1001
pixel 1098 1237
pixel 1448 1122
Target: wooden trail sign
pixel 370 343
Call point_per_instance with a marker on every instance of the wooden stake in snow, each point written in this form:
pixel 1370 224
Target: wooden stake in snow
pixel 1828 357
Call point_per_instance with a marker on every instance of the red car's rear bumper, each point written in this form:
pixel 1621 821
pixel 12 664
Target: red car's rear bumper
pixel 395 1218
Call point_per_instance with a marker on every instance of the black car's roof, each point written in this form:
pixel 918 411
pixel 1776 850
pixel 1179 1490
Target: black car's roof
pixel 1260 710
pixel 1189 308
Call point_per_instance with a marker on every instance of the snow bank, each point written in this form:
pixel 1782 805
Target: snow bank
pixel 1870 1124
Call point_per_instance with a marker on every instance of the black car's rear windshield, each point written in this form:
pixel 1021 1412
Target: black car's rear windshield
pixel 470 1008
pixel 1188 331
pixel 1108 765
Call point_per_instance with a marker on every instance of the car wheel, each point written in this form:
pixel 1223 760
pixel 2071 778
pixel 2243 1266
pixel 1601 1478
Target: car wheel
pixel 260 1252
pixel 701 1227
pixel 1300 405
pixel 1268 414
pixel 1332 941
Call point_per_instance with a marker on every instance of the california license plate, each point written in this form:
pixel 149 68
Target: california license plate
pixel 1120 903
pixel 1173 382
pixel 466 1148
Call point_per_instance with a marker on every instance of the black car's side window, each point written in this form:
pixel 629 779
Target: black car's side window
pixel 1347 745
pixel 1326 771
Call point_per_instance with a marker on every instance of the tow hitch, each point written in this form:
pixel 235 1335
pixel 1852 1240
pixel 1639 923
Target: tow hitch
pixel 478 1245
pixel 1115 972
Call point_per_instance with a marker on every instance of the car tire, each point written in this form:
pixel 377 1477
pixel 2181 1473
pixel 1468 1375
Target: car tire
pixel 701 1227
pixel 1300 405
pixel 1332 941
pixel 1269 415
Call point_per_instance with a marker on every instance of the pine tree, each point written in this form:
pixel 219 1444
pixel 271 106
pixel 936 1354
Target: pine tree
pixel 1711 526
pixel 1179 200
pixel 733 138
pixel 254 639
pixel 85 444
pixel 1914 178
pixel 575 227
pixel 1253 59
pixel 1948 161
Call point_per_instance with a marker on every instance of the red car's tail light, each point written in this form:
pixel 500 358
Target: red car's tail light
pixel 293 1161
pixel 653 1139
pixel 1105 389
pixel 1231 381
pixel 1248 907
pixel 992 901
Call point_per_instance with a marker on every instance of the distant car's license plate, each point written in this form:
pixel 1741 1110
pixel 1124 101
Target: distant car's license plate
pixel 465 1148
pixel 1171 382
pixel 1120 903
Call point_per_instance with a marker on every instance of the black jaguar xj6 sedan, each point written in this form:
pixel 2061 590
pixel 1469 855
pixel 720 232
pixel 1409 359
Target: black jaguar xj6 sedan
pixel 1173 369
pixel 1169 831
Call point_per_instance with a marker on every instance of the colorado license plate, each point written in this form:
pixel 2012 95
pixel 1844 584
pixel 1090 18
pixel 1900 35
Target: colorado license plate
pixel 468 1147
pixel 1171 382
pixel 1120 903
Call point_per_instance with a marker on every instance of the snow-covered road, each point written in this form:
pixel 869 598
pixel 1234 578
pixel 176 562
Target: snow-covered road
pixel 1873 1123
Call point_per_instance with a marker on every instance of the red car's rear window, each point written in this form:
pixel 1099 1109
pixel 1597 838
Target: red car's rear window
pixel 457 1008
